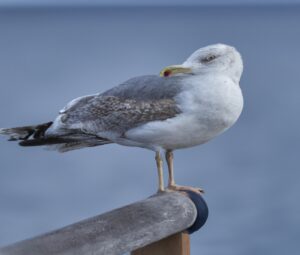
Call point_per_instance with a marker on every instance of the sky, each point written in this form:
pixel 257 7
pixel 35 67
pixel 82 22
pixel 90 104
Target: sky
pixel 139 2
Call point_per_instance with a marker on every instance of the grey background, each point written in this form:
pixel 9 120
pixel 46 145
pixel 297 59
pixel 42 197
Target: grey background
pixel 141 2
pixel 250 173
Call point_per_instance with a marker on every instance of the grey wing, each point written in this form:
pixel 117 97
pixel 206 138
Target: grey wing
pixel 147 87
pixel 114 114
pixel 133 103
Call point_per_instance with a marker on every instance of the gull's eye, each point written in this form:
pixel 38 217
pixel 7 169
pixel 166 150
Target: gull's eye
pixel 208 58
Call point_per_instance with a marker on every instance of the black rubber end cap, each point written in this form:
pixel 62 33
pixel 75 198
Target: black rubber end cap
pixel 202 211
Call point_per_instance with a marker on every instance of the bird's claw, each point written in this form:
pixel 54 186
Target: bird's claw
pixel 184 188
pixel 160 191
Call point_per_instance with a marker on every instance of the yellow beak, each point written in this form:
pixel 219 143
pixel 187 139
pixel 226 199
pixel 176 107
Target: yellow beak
pixel 175 69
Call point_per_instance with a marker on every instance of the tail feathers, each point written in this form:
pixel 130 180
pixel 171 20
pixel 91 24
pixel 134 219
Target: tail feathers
pixel 35 136
pixel 24 133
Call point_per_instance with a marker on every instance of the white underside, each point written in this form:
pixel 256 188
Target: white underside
pixel 208 108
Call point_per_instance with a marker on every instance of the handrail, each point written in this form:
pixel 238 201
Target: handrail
pixel 116 232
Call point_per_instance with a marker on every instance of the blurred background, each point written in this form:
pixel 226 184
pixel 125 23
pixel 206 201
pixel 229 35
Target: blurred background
pixel 54 51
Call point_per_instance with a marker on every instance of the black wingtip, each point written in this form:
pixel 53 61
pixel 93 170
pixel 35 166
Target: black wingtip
pixel 44 141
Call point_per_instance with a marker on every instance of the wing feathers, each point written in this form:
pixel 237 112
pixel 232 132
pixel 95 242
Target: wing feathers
pixel 110 113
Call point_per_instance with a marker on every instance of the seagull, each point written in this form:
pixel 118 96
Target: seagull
pixel 184 106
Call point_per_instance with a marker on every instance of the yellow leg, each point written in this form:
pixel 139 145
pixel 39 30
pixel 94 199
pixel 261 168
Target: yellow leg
pixel 159 164
pixel 171 184
pixel 169 159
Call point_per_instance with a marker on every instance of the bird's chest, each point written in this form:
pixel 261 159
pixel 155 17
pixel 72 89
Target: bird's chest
pixel 208 110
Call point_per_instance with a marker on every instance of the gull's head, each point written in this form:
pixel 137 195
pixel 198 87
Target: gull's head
pixel 216 58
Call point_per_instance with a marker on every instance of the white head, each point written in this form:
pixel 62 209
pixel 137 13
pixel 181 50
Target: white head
pixel 216 58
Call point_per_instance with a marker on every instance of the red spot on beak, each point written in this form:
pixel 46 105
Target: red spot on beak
pixel 167 73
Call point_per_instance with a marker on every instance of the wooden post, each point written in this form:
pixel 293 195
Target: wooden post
pixel 177 244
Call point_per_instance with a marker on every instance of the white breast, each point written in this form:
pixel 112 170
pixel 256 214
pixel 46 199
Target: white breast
pixel 209 107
